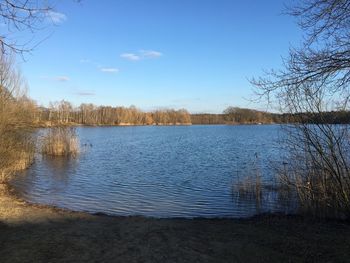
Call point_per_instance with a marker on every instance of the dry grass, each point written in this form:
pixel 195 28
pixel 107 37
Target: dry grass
pixel 22 161
pixel 249 186
pixel 318 193
pixel 61 141
pixel 17 114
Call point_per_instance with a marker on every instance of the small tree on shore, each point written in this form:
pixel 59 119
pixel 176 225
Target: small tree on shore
pixel 315 79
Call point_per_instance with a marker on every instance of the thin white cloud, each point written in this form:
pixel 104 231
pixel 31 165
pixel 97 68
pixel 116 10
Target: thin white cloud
pixel 109 70
pixel 99 66
pixel 130 56
pixel 56 17
pixel 85 93
pixel 61 78
pixel 151 54
pixel 142 54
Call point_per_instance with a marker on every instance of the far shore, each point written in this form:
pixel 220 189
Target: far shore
pixel 40 233
pixel 73 124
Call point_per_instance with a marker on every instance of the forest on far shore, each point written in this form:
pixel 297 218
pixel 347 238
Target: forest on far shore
pixel 64 113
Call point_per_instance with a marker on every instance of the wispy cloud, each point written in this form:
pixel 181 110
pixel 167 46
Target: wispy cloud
pixel 142 54
pixel 130 56
pixel 61 78
pixel 56 17
pixel 151 54
pixel 85 93
pixel 99 66
pixel 109 70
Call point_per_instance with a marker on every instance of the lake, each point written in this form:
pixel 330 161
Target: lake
pixel 160 171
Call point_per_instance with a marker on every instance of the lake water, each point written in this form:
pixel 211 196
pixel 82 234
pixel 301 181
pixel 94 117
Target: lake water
pixel 168 171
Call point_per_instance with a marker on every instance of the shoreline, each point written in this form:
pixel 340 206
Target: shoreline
pixel 42 233
pixel 43 125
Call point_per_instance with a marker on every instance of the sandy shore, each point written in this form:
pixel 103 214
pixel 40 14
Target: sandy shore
pixel 34 233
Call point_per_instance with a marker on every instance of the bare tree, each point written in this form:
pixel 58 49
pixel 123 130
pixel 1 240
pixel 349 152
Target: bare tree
pixel 17 115
pixel 19 16
pixel 316 79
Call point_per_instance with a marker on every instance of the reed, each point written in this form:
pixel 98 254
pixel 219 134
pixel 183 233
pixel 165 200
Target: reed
pixel 249 187
pixel 60 141
pixel 16 154
pixel 319 193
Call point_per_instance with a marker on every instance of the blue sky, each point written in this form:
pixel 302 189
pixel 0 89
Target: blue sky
pixel 193 54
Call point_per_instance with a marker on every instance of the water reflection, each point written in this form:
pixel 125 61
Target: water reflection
pixel 60 168
pixel 282 200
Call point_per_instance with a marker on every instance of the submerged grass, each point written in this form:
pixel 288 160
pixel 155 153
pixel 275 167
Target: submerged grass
pixel 249 186
pixel 252 187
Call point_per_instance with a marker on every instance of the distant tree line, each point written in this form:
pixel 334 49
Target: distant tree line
pixel 63 112
pixel 248 116
pixel 207 119
pixel 235 115
pixel 328 117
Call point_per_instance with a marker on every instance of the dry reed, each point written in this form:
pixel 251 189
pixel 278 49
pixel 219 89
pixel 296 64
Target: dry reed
pixel 249 186
pixel 61 141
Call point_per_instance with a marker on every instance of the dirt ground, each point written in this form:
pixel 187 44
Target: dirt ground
pixel 33 233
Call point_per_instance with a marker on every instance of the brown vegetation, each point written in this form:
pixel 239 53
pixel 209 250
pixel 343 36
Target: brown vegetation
pixel 208 119
pixel 60 141
pixel 235 115
pixel 249 187
pixel 63 113
pixel 16 118
pixel 318 168
pixel 314 82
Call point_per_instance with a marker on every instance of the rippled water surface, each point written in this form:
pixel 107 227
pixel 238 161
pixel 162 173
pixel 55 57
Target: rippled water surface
pixel 182 171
